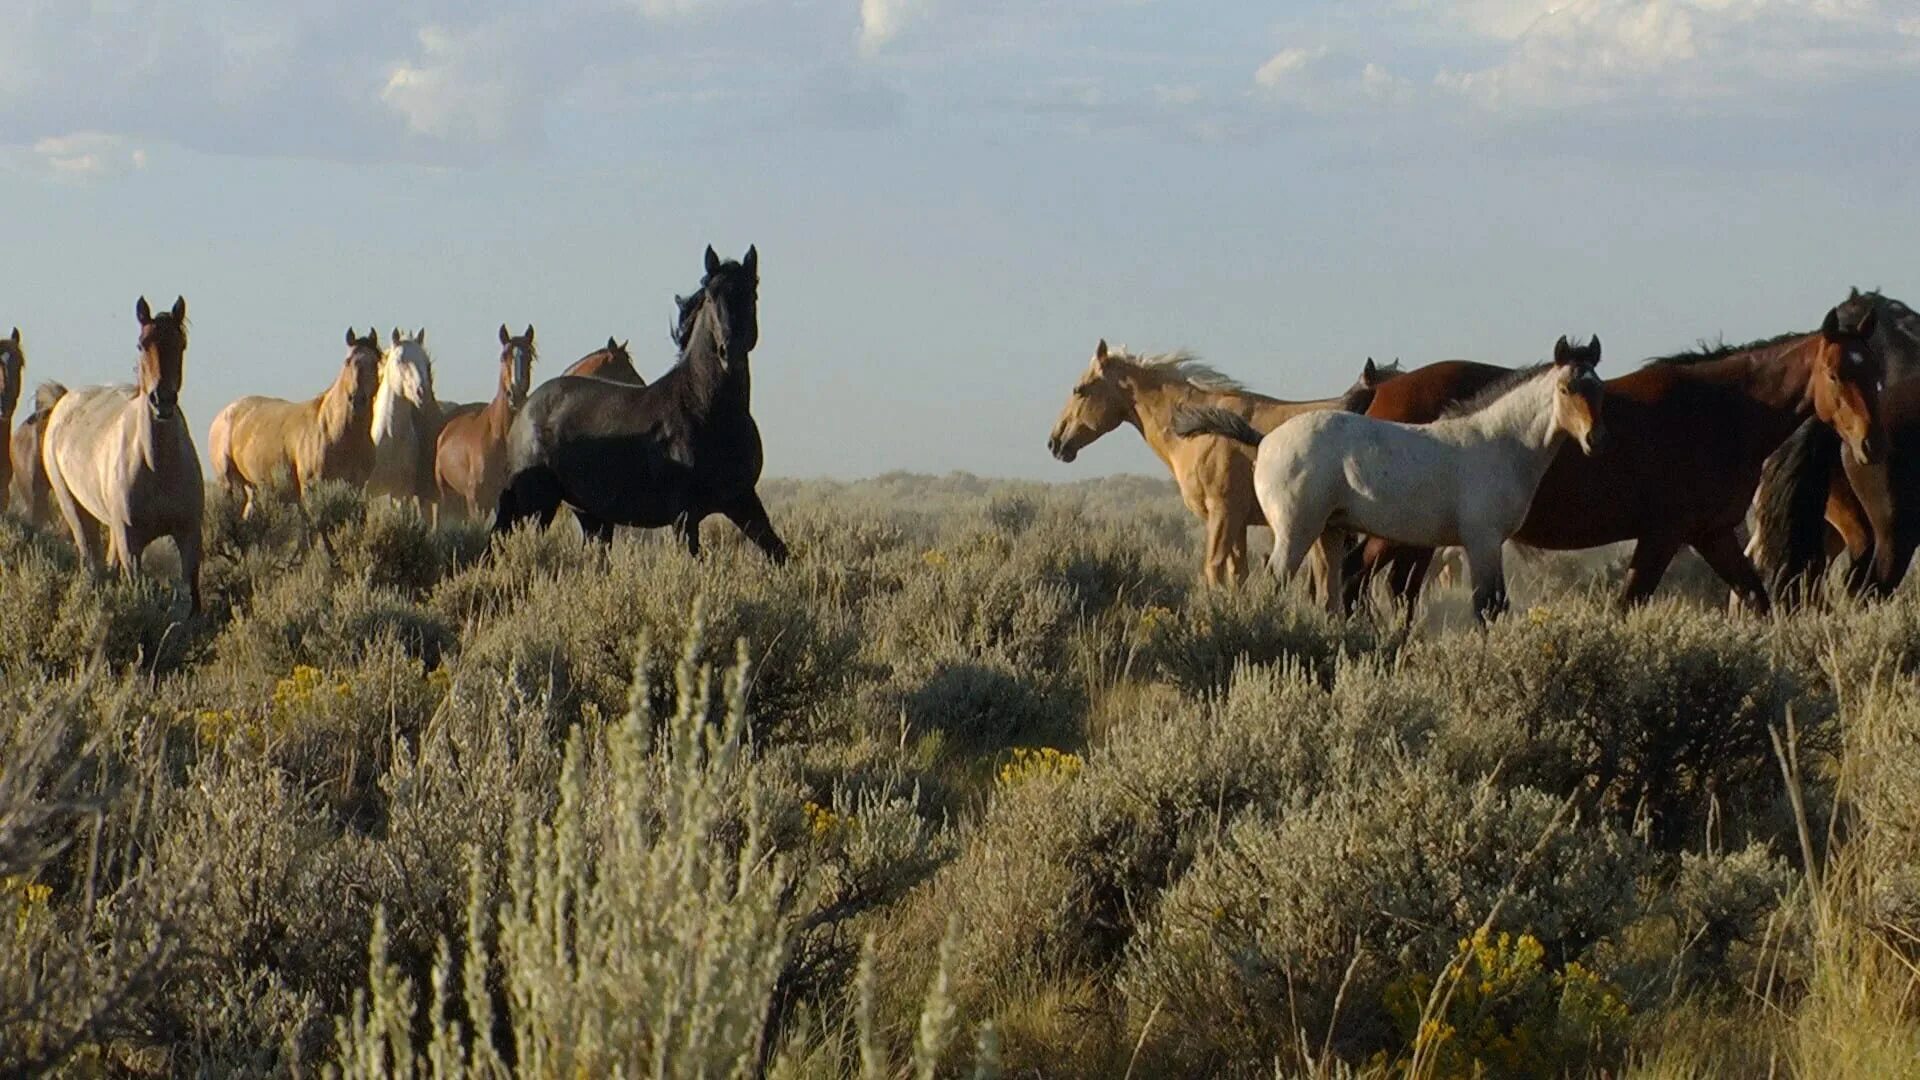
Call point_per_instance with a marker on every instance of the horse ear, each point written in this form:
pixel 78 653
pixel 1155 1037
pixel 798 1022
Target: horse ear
pixel 1853 292
pixel 529 333
pixel 713 260
pixel 624 344
pixel 16 335
pixel 1100 350
pixel 505 334
pixel 1593 350
pixel 179 308
pixel 1369 374
pixel 752 261
pixel 1872 319
pixel 1831 327
pixel 1562 352
pixel 142 312
pixel 421 337
pixel 352 338
pixel 611 345
pixel 396 335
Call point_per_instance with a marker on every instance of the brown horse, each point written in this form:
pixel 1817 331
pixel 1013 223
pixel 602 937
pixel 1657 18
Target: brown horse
pixel 1689 436
pixel 31 495
pixel 13 370
pixel 1215 475
pixel 329 437
pixel 612 363
pixel 120 459
pixel 1815 501
pixel 470 461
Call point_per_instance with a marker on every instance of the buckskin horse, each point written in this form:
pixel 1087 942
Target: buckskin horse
pixel 329 437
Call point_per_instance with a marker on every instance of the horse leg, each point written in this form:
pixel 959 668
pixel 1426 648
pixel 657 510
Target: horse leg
pixel 1486 566
pixel 1872 489
pixel 1724 554
pixel 751 517
pixel 1651 556
pixel 1329 561
pixel 1856 535
pixel 593 528
pixel 188 544
pixel 123 551
pixel 1217 572
pixel 687 528
pixel 531 493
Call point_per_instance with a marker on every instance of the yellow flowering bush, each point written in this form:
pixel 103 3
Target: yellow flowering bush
pixel 29 896
pixel 1045 762
pixel 823 824
pixel 1505 1012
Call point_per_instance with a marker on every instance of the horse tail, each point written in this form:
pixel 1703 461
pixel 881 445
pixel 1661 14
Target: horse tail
pixel 1790 538
pixel 45 395
pixel 1190 421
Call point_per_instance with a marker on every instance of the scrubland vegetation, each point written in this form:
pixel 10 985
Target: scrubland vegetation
pixel 982 783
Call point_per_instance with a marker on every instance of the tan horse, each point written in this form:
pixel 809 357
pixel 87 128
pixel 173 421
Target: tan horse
pixel 121 458
pixel 31 495
pixel 1215 475
pixel 613 363
pixel 13 369
pixel 470 462
pixel 329 437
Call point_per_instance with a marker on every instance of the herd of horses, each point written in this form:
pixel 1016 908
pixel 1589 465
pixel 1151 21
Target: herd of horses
pixel 118 463
pixel 1814 437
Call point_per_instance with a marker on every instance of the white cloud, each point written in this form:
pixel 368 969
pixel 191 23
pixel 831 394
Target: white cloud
pixel 1319 79
pixel 81 156
pixel 468 86
pixel 882 20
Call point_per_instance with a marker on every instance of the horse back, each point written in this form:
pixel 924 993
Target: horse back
pixel 1423 394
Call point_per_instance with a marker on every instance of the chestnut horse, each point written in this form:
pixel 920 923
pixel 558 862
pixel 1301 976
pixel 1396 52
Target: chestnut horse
pixel 121 458
pixel 13 369
pixel 470 459
pixel 1215 475
pixel 613 363
pixel 329 437
pixel 1814 500
pixel 1690 434
pixel 406 422
pixel 1465 479
pixel 31 495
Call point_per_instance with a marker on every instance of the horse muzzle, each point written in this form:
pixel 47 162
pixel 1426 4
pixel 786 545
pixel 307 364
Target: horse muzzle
pixel 163 407
pixel 1059 449
pixel 1595 441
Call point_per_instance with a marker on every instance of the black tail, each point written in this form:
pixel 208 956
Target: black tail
pixel 1791 507
pixel 1193 420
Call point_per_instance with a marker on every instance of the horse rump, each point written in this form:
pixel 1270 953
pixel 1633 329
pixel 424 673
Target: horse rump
pixel 1790 537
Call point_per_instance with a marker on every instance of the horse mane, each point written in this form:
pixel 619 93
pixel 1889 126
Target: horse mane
pixel 45 395
pixel 1182 365
pixel 1718 349
pixel 1495 390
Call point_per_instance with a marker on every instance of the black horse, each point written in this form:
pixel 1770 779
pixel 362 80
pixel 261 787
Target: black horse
pixel 669 453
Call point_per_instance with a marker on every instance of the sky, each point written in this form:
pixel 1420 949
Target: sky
pixel 953 200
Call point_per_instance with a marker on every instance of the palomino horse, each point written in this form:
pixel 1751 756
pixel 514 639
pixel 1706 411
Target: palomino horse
pixel 1691 433
pixel 13 369
pixel 1465 479
pixel 329 437
pixel 1215 476
pixel 470 459
pixel 613 363
pixel 406 422
pixel 121 458
pixel 31 495
pixel 671 453
pixel 1814 500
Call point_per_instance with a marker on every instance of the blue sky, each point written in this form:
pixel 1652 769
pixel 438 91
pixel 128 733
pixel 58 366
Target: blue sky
pixel 953 199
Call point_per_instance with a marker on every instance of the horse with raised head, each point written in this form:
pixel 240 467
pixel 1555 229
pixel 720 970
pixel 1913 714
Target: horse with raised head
pixel 13 371
pixel 120 459
pixel 406 422
pixel 31 495
pixel 1691 433
pixel 613 363
pixel 470 458
pixel 1215 476
pixel 1466 479
pixel 1815 501
pixel 670 453
pixel 329 437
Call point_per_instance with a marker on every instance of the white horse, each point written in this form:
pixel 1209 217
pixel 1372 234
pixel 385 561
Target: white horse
pixel 406 421
pixel 1466 479
pixel 121 458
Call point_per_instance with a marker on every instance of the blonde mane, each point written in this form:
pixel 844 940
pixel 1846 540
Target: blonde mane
pixel 1180 365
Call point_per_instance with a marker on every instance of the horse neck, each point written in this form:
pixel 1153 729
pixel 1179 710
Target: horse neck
pixel 1524 416
pixel 1777 381
pixel 336 410
pixel 1154 405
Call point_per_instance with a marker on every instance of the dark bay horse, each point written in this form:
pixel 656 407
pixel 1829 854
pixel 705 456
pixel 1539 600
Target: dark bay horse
pixel 13 371
pixel 670 453
pixel 1814 499
pixel 1690 434
pixel 613 363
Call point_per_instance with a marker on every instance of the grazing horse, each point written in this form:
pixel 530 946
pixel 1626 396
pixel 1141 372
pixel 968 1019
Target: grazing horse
pixel 1814 500
pixel 31 495
pixel 13 369
pixel 1466 479
pixel 1215 476
pixel 612 363
pixel 406 422
pixel 121 458
pixel 1691 433
pixel 670 453
pixel 329 437
pixel 470 459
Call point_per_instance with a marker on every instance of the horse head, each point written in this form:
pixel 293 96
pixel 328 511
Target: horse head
pixel 163 350
pixel 1848 375
pixel 731 292
pixel 1360 394
pixel 359 376
pixel 406 371
pixel 1579 393
pixel 517 354
pixel 13 370
pixel 1100 402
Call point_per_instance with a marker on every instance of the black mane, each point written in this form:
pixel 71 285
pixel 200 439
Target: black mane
pixel 1494 390
pixel 1708 351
